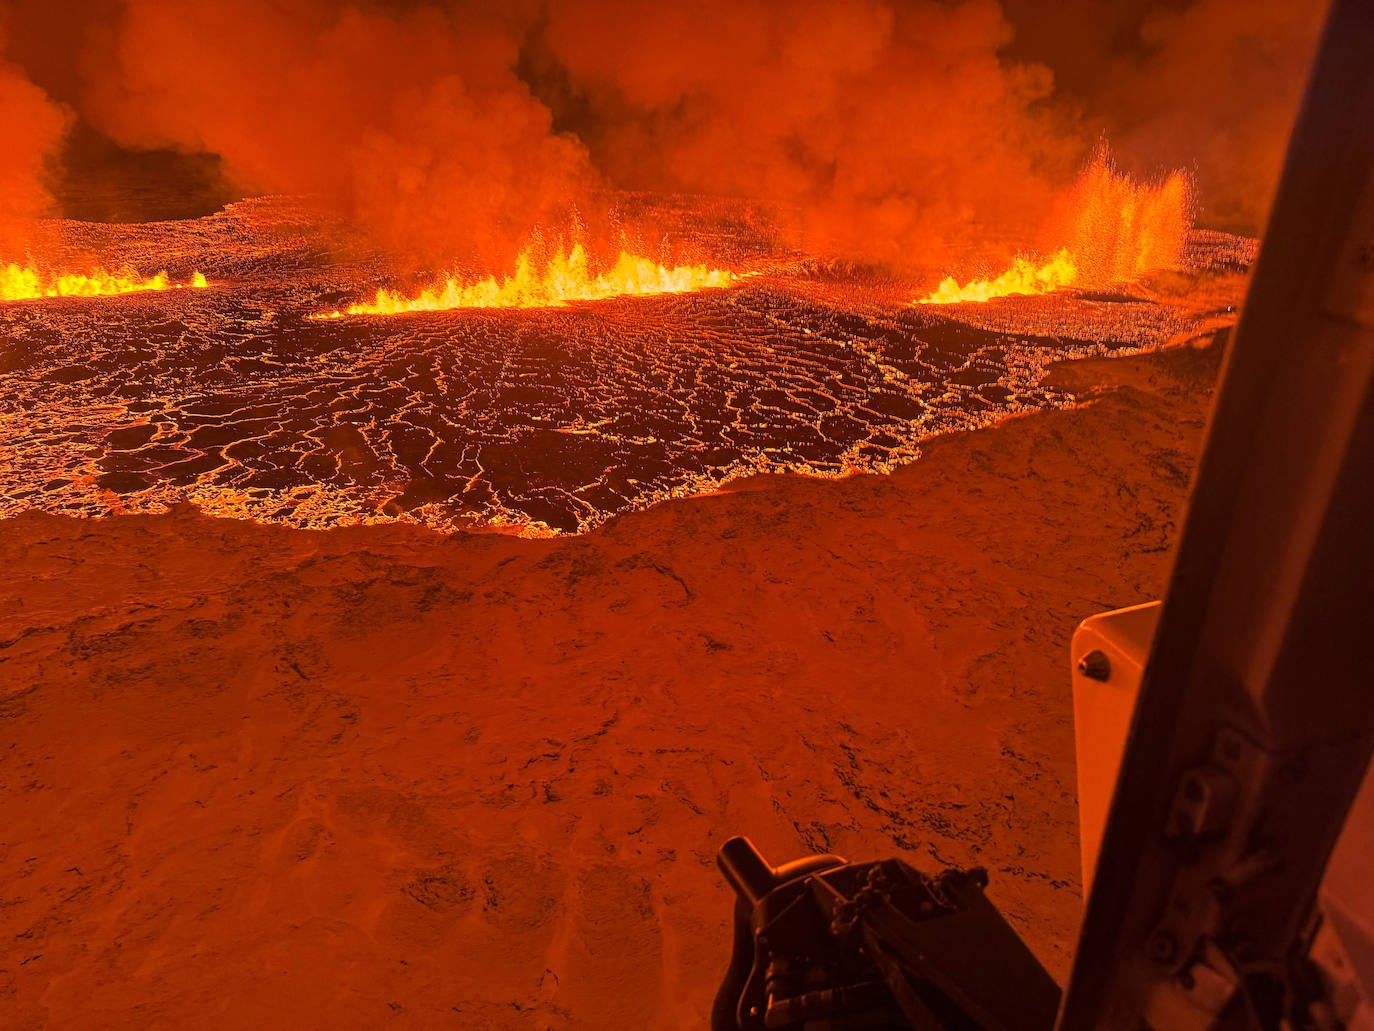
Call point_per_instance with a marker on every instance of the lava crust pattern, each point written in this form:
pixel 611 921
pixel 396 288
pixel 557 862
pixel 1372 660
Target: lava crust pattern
pixel 554 420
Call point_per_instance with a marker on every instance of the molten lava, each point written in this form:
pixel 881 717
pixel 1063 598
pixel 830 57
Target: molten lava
pixel 1109 230
pixel 18 283
pixel 564 279
pixel 1024 277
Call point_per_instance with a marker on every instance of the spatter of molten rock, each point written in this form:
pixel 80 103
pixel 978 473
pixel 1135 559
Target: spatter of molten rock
pixel 566 278
pixel 1116 231
pixel 18 283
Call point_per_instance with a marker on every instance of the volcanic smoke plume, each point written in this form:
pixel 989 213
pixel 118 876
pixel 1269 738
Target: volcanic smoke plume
pixel 884 131
pixel 880 131
pixel 1214 84
pixel 33 128
pixel 414 124
pixel 458 132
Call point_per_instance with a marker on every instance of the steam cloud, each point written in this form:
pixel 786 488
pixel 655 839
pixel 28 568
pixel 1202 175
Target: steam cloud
pixel 896 130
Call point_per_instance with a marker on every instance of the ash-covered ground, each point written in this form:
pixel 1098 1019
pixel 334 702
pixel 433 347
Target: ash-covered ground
pixel 235 399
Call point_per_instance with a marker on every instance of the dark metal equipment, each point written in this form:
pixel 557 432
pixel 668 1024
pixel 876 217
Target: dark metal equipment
pixel 1254 722
pixel 821 943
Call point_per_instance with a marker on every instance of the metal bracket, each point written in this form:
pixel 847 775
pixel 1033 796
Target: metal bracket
pixel 1209 822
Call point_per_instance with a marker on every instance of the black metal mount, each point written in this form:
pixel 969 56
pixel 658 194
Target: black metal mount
pixel 820 942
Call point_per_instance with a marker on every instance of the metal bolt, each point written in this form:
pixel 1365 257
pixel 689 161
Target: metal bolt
pixel 1095 666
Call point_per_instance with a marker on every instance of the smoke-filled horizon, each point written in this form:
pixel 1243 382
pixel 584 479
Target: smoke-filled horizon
pixel 34 125
pixel 885 130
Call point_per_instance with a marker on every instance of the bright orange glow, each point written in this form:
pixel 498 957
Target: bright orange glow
pixel 1111 230
pixel 564 279
pixel 18 283
pixel 1120 230
pixel 1024 277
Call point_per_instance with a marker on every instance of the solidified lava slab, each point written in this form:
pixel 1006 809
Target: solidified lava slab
pixel 556 419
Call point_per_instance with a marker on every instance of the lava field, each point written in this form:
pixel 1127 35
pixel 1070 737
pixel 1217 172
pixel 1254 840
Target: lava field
pixel 530 421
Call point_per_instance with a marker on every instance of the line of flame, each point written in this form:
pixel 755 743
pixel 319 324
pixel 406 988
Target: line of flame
pixel 18 283
pixel 1024 277
pixel 566 278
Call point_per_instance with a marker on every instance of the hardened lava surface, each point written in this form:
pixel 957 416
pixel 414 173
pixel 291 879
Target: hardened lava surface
pixel 545 420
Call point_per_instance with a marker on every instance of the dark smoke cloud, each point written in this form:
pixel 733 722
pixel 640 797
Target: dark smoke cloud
pixel 411 122
pixel 34 125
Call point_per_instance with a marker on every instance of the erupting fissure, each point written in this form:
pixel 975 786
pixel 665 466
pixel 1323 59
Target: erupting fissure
pixel 1024 277
pixel 1110 230
pixel 19 283
pixel 566 278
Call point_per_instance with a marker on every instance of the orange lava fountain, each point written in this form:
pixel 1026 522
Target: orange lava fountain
pixel 18 283
pixel 1113 230
pixel 566 278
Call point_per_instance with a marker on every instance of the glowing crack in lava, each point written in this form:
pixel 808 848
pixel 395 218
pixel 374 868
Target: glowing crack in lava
pixel 564 279
pixel 1116 231
pixel 18 283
